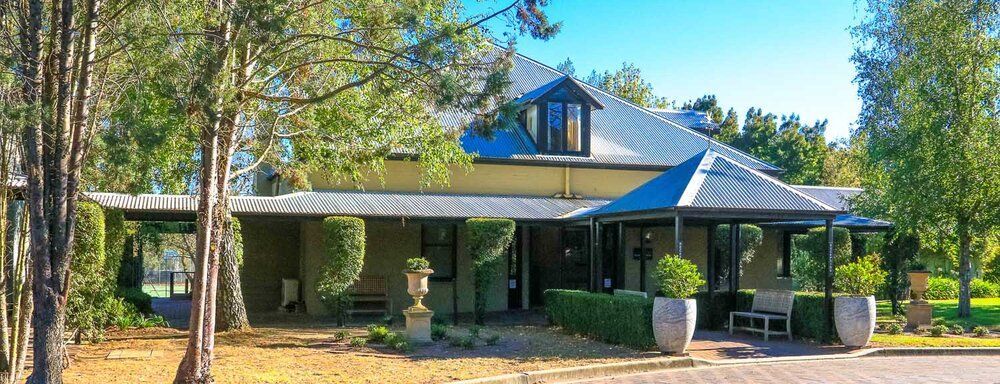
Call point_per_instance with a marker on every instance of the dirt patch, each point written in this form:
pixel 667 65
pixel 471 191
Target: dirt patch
pixel 312 354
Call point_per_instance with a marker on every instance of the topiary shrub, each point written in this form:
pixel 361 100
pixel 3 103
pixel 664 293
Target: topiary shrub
pixel 417 264
pixel 860 278
pixel 941 288
pixel 142 301
pixel 90 285
pixel 751 237
pixel 626 320
pixel 344 249
pixel 809 257
pixel 116 233
pixel 678 278
pixel 487 241
pixel 980 288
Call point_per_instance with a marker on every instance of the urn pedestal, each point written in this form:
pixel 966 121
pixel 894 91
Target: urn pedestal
pixel 918 314
pixel 418 317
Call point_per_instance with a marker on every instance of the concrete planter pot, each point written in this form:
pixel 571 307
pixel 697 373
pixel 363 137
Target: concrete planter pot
pixel 673 323
pixel 416 285
pixel 855 319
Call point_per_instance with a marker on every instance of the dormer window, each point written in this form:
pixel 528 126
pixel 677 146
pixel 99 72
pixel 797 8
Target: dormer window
pixel 557 117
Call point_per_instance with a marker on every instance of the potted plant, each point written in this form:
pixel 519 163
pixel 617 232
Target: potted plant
pixel 674 313
pixel 417 270
pixel 919 276
pixel 854 312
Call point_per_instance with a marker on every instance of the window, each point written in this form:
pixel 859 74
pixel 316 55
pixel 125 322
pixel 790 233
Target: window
pixel 438 247
pixel 556 137
pixel 531 121
pixel 573 129
pixel 785 261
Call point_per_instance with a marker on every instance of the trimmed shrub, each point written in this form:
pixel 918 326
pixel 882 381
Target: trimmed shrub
pixel 344 248
pixel 378 333
pixel 439 332
pixel 623 320
pixel 678 278
pixel 142 301
pixel 894 328
pixel 980 288
pixel 487 241
pixel 981 331
pixel 417 264
pixel 90 286
pixel 957 329
pixel 809 256
pixel 941 288
pixel 860 278
pixel 116 232
pixel 808 318
pixel 939 330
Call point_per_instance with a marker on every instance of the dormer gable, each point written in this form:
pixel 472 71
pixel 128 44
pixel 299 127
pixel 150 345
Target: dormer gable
pixel 557 117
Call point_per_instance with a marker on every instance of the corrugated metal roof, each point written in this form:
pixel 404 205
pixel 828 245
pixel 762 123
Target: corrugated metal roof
pixel 688 118
pixel 845 221
pixel 838 197
pixel 712 180
pixel 365 204
pixel 622 134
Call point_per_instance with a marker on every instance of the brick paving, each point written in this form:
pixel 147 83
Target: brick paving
pixel 923 370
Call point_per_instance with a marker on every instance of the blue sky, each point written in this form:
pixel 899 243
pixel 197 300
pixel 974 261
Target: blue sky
pixel 783 56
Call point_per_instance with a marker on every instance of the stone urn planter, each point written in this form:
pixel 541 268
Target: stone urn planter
pixel 918 284
pixel 855 319
pixel 416 285
pixel 673 324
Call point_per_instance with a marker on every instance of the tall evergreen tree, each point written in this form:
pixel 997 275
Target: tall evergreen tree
pixel 566 66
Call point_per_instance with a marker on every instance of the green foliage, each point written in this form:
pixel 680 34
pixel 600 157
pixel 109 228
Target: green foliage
pixel 359 342
pixel 800 149
pixel 979 288
pixel 142 301
pixel 677 278
pixel 628 84
pixel 344 249
pixel 809 256
pixel 378 333
pixel 939 321
pixel 397 341
pixel 941 288
pixel 493 339
pixel 487 240
pixel 808 316
pixel 90 286
pixel 751 237
pixel 116 233
pixel 981 331
pixel 474 331
pixel 623 320
pixel 417 264
pixel 957 329
pixel 439 332
pixel 860 278
pixel 341 335
pixel 929 84
pixel 467 341
pixel 939 330
pixel 894 328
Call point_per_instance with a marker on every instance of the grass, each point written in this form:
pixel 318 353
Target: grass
pixel 885 340
pixel 985 312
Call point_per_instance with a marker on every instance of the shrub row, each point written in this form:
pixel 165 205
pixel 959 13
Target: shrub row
pixel 623 320
pixel 142 301
pixel 943 288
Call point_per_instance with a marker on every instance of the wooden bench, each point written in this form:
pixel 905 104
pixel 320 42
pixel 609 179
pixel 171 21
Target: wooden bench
pixel 369 296
pixel 768 304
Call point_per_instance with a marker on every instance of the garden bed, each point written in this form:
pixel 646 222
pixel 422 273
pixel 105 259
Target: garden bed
pixel 296 353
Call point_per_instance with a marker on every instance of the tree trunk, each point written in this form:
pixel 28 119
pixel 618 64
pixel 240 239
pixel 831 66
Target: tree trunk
pixel 232 310
pixel 964 273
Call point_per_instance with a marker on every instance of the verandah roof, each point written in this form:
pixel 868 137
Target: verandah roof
pixel 711 181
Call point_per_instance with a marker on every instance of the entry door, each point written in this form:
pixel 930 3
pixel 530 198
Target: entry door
pixel 514 271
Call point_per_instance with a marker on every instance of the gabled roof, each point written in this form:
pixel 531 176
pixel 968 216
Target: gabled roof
pixel 359 203
pixel 623 135
pixel 714 181
pixel 537 93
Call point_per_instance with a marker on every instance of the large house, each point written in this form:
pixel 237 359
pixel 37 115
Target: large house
pixel 600 189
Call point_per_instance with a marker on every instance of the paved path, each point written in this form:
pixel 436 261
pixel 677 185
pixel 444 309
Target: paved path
pixel 923 370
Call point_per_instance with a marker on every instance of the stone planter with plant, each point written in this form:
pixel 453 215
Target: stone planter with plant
pixel 854 312
pixel 417 271
pixel 674 313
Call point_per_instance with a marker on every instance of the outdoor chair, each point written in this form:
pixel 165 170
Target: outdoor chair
pixel 369 296
pixel 768 304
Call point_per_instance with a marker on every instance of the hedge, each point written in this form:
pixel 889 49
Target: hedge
pixel 344 249
pixel 142 301
pixel 89 284
pixel 625 320
pixel 808 320
pixel 943 288
pixel 487 242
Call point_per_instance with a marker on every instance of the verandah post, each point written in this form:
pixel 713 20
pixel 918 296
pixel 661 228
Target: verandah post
pixel 679 235
pixel 828 283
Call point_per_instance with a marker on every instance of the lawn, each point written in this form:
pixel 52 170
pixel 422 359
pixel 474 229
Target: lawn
pixel 296 353
pixel 907 340
pixel 985 312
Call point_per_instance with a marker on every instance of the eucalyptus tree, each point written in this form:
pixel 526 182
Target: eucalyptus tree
pixel 337 86
pixel 929 80
pixel 65 60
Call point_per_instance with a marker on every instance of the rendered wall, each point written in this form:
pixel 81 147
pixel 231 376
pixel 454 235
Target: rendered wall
pixel 270 253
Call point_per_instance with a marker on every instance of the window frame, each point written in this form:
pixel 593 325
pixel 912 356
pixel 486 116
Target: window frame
pixel 452 246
